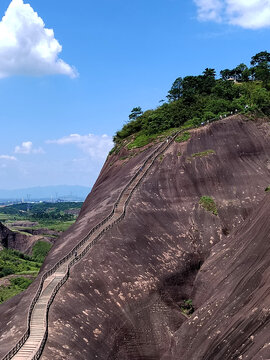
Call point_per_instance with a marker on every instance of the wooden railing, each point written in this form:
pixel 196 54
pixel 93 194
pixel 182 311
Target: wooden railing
pixel 154 155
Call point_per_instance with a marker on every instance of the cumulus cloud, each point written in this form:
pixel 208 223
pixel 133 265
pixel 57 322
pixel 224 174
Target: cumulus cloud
pixel 93 145
pixel 249 14
pixel 27 47
pixel 8 157
pixel 27 148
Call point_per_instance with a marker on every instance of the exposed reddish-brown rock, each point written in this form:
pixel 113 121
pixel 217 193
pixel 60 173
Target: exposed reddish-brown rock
pixel 232 295
pixel 122 301
pixel 16 240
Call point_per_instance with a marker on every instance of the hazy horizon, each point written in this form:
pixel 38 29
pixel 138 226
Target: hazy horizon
pixel 62 192
pixel 70 73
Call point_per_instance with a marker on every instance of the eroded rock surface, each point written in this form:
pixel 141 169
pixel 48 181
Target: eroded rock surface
pixel 123 299
pixel 15 240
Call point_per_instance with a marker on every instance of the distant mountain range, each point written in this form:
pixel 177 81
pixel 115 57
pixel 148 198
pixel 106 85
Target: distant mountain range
pixel 46 193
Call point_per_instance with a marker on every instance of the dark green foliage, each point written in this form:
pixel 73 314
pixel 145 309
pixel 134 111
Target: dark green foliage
pixel 197 99
pixel 183 137
pixel 53 210
pixel 135 113
pixel 15 262
pixel 187 307
pixel 176 90
pixel 226 74
pixel 208 204
pixel 225 90
pixel 16 286
pixel 40 251
pixel 260 58
pixel 267 189
pixel 55 216
pixel 129 129
pixel 240 73
pixel 261 67
pixel 209 79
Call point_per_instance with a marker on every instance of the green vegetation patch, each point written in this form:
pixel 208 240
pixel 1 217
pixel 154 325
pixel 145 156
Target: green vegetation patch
pixel 183 137
pixel 203 153
pixel 59 225
pixel 53 216
pixel 187 307
pixel 161 158
pixel 193 101
pixel 267 189
pixel 142 140
pixel 15 262
pixel 208 204
pixel 17 285
pixel 40 251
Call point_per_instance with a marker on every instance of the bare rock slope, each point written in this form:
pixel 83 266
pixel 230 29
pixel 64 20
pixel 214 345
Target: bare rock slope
pixel 122 301
pixel 16 240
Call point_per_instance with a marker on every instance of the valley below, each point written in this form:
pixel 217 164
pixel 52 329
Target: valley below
pixel 27 233
pixel 185 274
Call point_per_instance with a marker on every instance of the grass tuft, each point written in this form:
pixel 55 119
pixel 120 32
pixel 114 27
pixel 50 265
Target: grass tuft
pixel 203 153
pixel 208 204
pixel 183 137
pixel 187 307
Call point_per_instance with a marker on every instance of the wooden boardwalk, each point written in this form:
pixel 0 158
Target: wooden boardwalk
pixel 33 346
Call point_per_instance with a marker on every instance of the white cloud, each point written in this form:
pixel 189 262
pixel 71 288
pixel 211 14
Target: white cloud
pixel 7 157
pixel 93 145
pixel 27 148
pixel 249 14
pixel 27 47
pixel 209 9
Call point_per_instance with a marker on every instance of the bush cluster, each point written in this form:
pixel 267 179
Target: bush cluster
pixel 15 262
pixel 16 286
pixel 208 204
pixel 196 99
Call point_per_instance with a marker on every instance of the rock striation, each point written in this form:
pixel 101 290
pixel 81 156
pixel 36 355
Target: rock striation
pixel 123 300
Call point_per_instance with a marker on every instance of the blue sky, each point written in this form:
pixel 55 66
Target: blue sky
pixel 116 55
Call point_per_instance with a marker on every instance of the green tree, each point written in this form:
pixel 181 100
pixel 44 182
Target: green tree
pixel 176 90
pixel 192 85
pixel 261 98
pixel 261 64
pixel 226 74
pixel 260 58
pixel 262 73
pixel 209 73
pixel 135 113
pixel 208 80
pixel 241 72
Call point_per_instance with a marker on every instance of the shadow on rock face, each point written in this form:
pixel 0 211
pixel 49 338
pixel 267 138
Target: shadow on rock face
pixel 147 328
pixel 178 287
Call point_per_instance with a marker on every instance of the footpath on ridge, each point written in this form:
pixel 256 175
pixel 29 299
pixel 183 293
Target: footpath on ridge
pixel 33 341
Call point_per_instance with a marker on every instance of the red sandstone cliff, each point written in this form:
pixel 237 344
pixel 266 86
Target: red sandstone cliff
pixel 122 300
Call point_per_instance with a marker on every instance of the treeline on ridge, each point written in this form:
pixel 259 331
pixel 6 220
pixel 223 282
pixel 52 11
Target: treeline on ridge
pixel 196 99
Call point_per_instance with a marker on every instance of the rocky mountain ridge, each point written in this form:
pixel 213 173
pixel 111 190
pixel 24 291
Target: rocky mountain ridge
pixel 123 300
